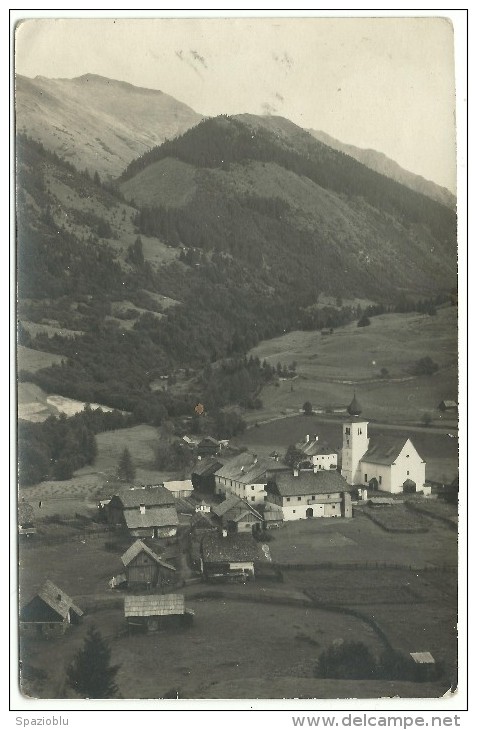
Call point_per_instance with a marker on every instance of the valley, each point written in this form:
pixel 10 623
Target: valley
pixel 206 294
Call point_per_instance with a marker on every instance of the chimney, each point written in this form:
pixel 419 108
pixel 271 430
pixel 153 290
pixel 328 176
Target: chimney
pixel 255 458
pixel 316 437
pixel 242 469
pixel 295 472
pixel 224 533
pixel 276 457
pixel 142 509
pixel 307 437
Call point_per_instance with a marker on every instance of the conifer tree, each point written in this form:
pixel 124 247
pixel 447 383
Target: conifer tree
pixel 91 674
pixel 126 470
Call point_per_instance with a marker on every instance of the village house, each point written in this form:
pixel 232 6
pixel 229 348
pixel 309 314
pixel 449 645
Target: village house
pixel 203 474
pixel 246 476
pixel 154 612
pixel 50 612
pixel 389 466
pixel 305 494
pixel 236 515
pixel 180 489
pixel 208 447
pixel 146 512
pixel 143 567
pixel 320 456
pixel 230 557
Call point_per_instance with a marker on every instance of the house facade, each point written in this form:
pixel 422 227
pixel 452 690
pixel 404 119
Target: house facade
pixel 320 456
pixel 305 494
pixel 246 476
pixel 236 515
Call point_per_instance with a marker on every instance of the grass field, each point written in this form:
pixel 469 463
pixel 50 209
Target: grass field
pixel 33 360
pixel 331 367
pixel 359 540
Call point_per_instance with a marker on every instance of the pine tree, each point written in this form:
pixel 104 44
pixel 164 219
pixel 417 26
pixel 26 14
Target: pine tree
pixel 90 674
pixel 126 470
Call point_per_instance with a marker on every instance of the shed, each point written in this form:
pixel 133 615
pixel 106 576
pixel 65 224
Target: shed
pixel 154 612
pixel 144 567
pixel 447 405
pixel 181 488
pixel 424 666
pixel 50 612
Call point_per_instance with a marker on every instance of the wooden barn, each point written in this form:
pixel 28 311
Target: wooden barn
pixel 50 612
pixel 155 613
pixel 230 558
pixel 144 568
pixel 203 475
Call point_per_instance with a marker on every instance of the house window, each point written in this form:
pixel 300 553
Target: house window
pixel 252 499
pixel 365 477
pixel 359 432
pixel 252 488
pixel 347 431
pixel 333 506
pixel 380 480
pixel 294 511
pixel 288 499
pixel 407 473
pixel 299 499
pixel 313 497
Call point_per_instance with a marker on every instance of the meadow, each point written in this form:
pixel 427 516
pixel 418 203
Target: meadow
pixel 331 367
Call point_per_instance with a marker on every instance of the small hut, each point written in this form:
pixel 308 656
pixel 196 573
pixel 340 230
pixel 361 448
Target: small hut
pixel 424 666
pixel 50 612
pixel 154 613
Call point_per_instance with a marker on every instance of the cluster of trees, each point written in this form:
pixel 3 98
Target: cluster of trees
pixel 172 456
pixel 354 660
pixel 57 447
pixel 425 366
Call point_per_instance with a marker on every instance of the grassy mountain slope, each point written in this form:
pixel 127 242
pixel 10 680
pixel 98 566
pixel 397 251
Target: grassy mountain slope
pixel 98 123
pixel 379 162
pixel 272 196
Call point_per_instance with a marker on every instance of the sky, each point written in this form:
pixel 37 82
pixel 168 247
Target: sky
pixel 384 83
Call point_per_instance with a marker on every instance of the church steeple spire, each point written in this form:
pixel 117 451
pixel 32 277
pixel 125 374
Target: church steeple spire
pixel 354 408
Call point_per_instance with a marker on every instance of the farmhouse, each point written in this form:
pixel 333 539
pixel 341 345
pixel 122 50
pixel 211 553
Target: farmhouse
pixel 320 456
pixel 304 494
pixel 203 475
pixel 208 446
pixel 233 557
pixel 246 476
pixel 143 567
pixel 153 612
pixel 236 515
pixel 182 488
pixel 145 512
pixel 50 612
pixel 378 463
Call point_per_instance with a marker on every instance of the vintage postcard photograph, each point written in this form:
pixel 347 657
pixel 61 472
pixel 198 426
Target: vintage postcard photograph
pixel 237 358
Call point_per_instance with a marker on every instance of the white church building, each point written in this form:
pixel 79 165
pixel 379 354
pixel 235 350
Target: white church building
pixel 387 466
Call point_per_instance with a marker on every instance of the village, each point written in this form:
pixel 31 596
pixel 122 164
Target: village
pixel 354 534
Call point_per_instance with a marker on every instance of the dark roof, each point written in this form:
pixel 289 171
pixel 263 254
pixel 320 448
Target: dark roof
pixel 153 497
pixel 384 451
pixel 139 547
pixel 323 482
pixel 207 467
pixel 203 520
pixel 354 408
pixel 171 604
pixel 57 599
pixel 153 517
pixel 233 508
pixel 233 548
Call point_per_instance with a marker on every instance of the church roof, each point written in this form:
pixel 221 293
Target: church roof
pixel 383 451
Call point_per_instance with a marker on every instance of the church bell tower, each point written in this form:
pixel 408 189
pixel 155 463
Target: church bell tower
pixel 355 443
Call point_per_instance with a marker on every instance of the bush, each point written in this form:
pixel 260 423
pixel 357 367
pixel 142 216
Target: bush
pixel 425 366
pixel 348 660
pixel 307 408
pixel 364 322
